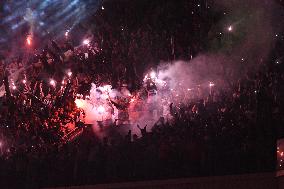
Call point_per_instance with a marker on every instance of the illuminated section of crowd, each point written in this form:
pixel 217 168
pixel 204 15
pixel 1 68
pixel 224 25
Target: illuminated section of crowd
pixel 42 106
pixel 200 130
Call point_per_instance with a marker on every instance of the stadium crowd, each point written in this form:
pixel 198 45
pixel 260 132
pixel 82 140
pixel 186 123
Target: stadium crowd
pixel 235 128
pixel 229 131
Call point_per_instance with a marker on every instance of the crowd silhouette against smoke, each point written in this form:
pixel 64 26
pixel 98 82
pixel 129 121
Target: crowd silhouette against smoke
pixel 153 90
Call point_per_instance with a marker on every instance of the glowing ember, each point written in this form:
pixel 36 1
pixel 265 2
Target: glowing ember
pixel 24 81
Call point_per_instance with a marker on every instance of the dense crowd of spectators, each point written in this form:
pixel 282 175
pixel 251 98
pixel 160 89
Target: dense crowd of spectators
pixel 227 132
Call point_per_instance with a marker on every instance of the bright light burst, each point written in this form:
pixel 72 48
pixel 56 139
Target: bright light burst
pixel 67 33
pixel 29 40
pixel 69 74
pixel 153 75
pixel 211 84
pixel 86 42
pixel 132 100
pixel 79 103
pixel 44 17
pixel 52 82
pixel 230 28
